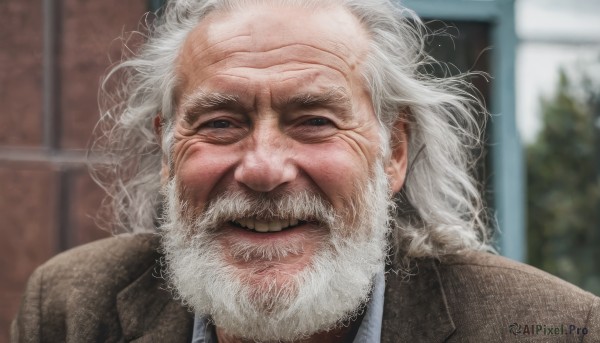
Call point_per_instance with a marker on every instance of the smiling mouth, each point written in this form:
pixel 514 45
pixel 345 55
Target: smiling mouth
pixel 262 226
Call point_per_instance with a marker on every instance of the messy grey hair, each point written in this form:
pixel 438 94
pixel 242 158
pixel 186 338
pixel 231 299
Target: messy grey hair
pixel 440 209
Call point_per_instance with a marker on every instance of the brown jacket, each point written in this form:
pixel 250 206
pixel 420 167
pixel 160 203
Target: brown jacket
pixel 111 291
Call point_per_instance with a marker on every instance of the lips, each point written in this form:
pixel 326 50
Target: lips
pixel 271 225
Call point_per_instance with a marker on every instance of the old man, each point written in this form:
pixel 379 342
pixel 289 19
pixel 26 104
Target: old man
pixel 300 179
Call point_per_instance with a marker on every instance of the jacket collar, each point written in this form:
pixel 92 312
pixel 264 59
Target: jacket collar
pixel 148 312
pixel 415 308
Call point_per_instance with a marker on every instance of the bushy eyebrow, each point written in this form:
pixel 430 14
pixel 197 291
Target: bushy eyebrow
pixel 335 97
pixel 201 102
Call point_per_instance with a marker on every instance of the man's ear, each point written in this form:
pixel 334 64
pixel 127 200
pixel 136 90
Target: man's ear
pixel 397 164
pixel 158 130
pixel 158 127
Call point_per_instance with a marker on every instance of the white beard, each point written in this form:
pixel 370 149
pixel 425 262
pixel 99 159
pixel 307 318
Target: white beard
pixel 327 293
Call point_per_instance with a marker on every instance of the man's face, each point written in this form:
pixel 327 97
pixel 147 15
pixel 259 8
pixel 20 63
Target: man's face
pixel 274 104
pixel 277 144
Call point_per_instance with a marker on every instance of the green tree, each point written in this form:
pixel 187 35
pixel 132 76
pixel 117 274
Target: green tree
pixel 563 187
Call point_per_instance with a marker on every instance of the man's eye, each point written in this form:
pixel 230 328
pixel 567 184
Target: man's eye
pixel 219 124
pixel 318 122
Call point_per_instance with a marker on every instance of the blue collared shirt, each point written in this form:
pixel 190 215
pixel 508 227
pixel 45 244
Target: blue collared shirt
pixel 369 330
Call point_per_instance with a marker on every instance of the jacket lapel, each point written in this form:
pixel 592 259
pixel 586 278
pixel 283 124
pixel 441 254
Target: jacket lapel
pixel 415 307
pixel 148 312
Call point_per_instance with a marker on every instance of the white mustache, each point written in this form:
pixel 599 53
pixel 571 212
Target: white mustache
pixel 232 205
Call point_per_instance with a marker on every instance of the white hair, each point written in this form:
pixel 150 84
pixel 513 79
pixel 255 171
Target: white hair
pixel 440 209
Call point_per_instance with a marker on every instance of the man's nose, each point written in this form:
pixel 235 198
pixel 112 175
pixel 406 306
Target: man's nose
pixel 266 164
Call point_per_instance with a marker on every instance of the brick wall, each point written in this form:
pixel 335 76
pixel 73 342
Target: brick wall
pixel 52 55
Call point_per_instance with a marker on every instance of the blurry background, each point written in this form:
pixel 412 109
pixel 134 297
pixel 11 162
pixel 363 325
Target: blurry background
pixel 558 115
pixel 52 54
pixel 539 169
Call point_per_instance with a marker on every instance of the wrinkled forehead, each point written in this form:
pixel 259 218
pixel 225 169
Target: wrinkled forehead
pixel 285 23
pixel 266 28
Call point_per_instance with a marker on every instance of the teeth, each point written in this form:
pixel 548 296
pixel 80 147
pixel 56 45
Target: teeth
pixel 261 226
pixel 275 225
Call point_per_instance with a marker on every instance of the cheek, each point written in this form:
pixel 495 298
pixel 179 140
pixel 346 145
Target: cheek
pixel 338 173
pixel 200 171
